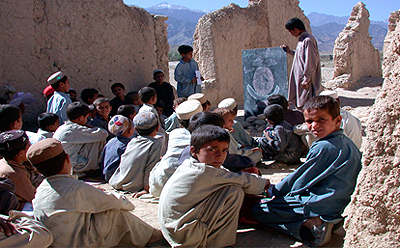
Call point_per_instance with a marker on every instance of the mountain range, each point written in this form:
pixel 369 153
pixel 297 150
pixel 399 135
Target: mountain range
pixel 182 23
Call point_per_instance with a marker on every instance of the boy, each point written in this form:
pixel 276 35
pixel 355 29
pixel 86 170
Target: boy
pixel 172 121
pixel 48 124
pixel 78 214
pixel 199 205
pixel 179 138
pixel 89 95
pixel 72 95
pixel 305 77
pixel 13 147
pixel 122 128
pixel 185 73
pixel 279 143
pixel 128 111
pixel 118 90
pixel 293 116
pixel 60 100
pixel 83 144
pixel 234 146
pixel 308 202
pixel 165 92
pixel 140 156
pixel 103 109
pixel 133 98
pixel 201 98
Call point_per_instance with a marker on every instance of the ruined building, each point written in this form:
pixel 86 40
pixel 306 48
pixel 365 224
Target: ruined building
pixel 354 55
pixel 374 219
pixel 221 36
pixel 95 42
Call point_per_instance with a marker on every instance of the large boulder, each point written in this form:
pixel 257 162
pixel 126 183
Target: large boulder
pixel 374 219
pixel 354 55
pixel 221 36
pixel 96 43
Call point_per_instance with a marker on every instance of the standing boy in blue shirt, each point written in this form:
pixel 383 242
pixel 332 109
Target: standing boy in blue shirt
pixel 185 73
pixel 60 100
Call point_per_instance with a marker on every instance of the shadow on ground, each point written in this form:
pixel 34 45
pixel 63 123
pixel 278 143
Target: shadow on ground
pixel 356 102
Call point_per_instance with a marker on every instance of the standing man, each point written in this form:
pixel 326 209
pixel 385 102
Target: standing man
pixel 305 76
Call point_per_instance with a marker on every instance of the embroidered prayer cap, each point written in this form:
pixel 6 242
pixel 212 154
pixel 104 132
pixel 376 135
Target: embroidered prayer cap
pixel 199 97
pixel 274 113
pixel 228 103
pixel 145 120
pixel 158 71
pixel 44 150
pixel 48 90
pixel 330 93
pixel 55 77
pixel 12 140
pixel 119 124
pixel 188 108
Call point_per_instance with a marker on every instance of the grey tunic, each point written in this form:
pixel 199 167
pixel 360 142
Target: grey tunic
pixel 306 65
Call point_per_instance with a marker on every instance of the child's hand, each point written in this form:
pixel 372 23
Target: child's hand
pixel 139 194
pixel 305 84
pixel 7 228
pixel 256 149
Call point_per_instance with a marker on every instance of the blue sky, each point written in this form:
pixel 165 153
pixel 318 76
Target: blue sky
pixel 379 9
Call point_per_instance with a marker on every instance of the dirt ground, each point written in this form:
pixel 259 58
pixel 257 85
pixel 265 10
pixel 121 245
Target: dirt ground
pixel 356 102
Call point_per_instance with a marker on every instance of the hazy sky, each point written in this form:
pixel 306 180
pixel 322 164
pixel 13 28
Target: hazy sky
pixel 379 9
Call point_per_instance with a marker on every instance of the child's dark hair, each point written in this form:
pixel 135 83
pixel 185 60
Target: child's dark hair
pixel 184 49
pixel 57 84
pixel 117 85
pixel 159 104
pixel 131 97
pixel 8 115
pixel 146 93
pixel 178 101
pixel 52 166
pixel 295 23
pixel 224 111
pixel 10 154
pixel 207 133
pixel 205 118
pixel 330 104
pixel 145 132
pixel 277 99
pixel 274 113
pixel 47 119
pixel 207 103
pixel 88 93
pixel 76 110
pixel 126 110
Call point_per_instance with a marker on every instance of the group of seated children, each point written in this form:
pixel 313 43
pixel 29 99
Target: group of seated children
pixel 202 169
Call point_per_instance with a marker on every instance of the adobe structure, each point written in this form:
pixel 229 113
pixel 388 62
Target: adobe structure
pixel 95 42
pixel 221 36
pixel 374 219
pixel 354 55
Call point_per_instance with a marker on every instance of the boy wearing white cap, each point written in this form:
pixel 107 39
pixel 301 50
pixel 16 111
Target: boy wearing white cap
pixel 179 138
pixel 202 99
pixel 140 156
pixel 60 100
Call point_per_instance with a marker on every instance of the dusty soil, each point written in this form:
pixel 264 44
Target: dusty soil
pixel 356 102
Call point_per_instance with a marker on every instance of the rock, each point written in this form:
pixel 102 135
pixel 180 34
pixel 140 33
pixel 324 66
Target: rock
pixel 260 129
pixel 233 29
pixel 260 122
pixel 261 117
pixel 354 55
pixel 246 124
pixel 250 128
pixel 251 119
pixel 96 43
pixel 374 213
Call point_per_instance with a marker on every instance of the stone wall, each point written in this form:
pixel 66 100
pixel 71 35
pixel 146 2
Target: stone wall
pixel 374 219
pixel 95 42
pixel 354 55
pixel 221 36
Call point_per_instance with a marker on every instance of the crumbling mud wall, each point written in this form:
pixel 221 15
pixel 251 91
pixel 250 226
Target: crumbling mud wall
pixel 354 55
pixel 374 219
pixel 95 42
pixel 221 36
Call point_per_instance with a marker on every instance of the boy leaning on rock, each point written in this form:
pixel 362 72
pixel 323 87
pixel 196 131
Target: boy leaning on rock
pixel 308 203
pixel 77 214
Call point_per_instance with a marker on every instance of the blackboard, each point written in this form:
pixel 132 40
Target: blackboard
pixel 264 74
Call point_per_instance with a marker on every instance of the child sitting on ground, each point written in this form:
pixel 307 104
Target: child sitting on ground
pixel 279 143
pixel 60 100
pixel 89 95
pixel 83 144
pixel 172 121
pixel 103 109
pixel 77 214
pixel 118 90
pixel 165 92
pixel 122 128
pixel 309 202
pixel 140 156
pixel 234 146
pixel 133 98
pixel 48 124
pixel 201 98
pixel 128 111
pixel 14 165
pixel 292 116
pixel 199 205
